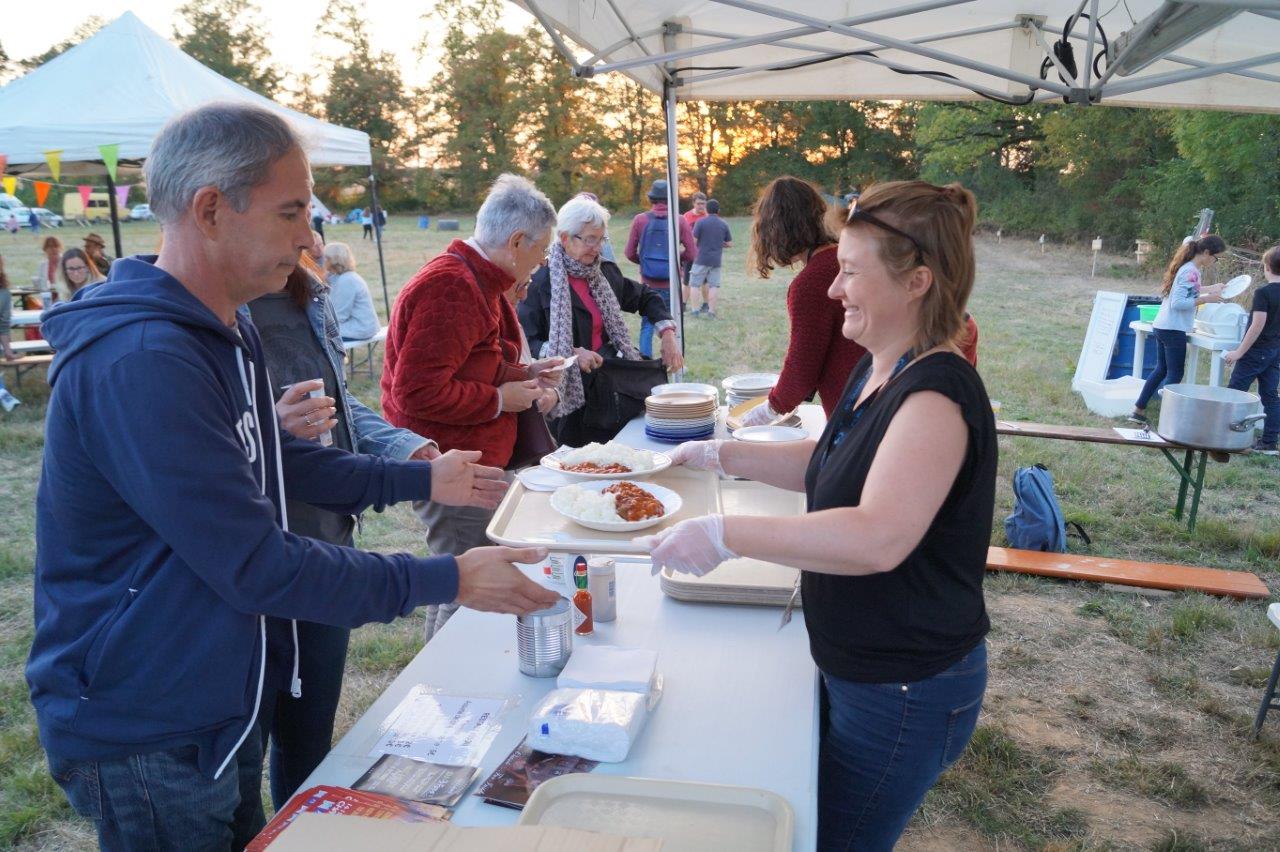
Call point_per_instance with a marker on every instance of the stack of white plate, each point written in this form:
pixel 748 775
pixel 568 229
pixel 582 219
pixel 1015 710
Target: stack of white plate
pixel 747 386
pixel 676 417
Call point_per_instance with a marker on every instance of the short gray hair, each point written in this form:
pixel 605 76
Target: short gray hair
pixel 338 257
pixel 513 204
pixel 225 145
pixel 578 213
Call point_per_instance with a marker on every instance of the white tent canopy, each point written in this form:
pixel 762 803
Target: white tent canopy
pixel 1221 54
pixel 121 86
pixel 1215 54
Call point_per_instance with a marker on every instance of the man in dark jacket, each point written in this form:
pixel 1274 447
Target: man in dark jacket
pixel 164 565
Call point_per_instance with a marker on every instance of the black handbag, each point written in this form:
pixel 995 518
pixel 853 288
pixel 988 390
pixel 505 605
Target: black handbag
pixel 618 391
pixel 533 439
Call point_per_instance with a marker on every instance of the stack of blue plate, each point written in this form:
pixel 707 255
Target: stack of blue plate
pixel 677 417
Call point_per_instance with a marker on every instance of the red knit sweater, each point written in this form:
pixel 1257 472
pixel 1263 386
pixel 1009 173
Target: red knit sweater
pixel 819 358
pixel 453 338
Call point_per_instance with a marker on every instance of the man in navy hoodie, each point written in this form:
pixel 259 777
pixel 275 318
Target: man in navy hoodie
pixel 163 555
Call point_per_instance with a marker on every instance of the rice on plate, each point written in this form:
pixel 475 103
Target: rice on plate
pixel 578 502
pixel 599 454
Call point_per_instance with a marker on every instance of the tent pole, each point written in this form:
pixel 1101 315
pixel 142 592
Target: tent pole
pixel 377 238
pixel 115 217
pixel 673 212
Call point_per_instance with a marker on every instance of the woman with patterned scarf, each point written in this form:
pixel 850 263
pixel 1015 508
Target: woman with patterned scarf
pixel 574 307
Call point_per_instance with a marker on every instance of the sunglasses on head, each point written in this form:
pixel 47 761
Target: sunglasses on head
pixel 857 214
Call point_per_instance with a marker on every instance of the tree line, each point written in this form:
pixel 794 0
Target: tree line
pixel 503 101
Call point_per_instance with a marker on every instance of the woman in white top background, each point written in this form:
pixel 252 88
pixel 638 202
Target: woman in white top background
pixel 349 294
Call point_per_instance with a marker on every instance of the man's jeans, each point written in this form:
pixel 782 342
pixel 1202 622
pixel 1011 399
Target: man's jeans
pixel 883 745
pixel 161 801
pixel 646 327
pixel 1262 364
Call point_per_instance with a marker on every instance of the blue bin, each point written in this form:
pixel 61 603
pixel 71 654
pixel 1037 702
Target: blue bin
pixel 424 222
pixel 1122 355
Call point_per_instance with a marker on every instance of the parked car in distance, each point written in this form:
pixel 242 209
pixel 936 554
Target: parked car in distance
pixel 48 218
pixel 141 213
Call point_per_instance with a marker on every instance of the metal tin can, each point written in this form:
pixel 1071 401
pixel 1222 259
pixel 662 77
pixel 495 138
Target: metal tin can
pixel 544 640
pixel 602 583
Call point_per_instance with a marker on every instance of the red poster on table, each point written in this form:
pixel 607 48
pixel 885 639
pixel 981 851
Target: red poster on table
pixel 344 801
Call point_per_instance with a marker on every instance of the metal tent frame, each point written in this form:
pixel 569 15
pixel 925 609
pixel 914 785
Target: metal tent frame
pixel 652 55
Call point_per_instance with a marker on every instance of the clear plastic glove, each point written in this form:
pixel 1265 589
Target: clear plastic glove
pixel 762 415
pixel 699 455
pixel 695 546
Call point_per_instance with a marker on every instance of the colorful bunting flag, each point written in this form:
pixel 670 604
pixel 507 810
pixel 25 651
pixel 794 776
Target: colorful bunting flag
pixel 110 156
pixel 85 192
pixel 10 184
pixel 122 195
pixel 4 162
pixel 42 191
pixel 54 159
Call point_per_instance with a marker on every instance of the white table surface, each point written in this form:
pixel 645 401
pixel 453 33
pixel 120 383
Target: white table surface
pixel 1196 341
pixel 24 318
pixel 740 702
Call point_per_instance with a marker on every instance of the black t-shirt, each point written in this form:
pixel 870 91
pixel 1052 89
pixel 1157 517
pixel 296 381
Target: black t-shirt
pixel 927 613
pixel 1267 300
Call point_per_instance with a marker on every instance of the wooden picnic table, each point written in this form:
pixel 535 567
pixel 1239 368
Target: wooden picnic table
pixel 1190 469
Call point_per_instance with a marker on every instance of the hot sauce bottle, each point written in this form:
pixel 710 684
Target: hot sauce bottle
pixel 582 622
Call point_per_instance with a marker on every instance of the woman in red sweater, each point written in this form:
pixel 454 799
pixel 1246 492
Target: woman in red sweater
pixel 454 367
pixel 789 228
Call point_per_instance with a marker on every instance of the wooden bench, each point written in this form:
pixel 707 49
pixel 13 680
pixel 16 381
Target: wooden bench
pixel 1190 470
pixel 1150 575
pixel 370 346
pixel 26 364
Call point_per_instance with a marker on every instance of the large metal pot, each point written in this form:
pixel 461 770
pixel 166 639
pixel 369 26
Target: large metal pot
pixel 1209 417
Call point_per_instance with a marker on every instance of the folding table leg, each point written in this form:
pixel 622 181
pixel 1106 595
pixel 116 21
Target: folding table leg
pixel 1267 702
pixel 1184 470
pixel 1197 488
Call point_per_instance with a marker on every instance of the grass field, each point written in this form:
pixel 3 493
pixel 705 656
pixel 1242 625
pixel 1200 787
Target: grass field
pixel 1113 720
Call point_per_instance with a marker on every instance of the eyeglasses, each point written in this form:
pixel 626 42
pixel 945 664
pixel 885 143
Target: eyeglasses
pixel 77 268
pixel 591 242
pixel 856 214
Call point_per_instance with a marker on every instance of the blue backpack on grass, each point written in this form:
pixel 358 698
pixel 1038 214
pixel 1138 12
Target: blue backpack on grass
pixel 655 261
pixel 1037 522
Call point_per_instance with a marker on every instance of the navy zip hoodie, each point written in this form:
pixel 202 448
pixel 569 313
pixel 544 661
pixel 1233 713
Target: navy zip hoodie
pixel 161 542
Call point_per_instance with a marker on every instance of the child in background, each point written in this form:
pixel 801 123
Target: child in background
pixel 711 233
pixel 1258 355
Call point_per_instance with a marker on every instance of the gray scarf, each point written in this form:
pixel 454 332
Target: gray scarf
pixel 560 338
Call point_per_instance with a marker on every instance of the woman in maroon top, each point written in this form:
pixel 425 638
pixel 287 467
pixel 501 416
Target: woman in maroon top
pixel 789 228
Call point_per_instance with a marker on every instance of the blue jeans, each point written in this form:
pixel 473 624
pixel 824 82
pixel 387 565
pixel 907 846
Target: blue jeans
pixel 646 327
pixel 301 729
pixel 883 745
pixel 1263 365
pixel 1171 360
pixel 161 801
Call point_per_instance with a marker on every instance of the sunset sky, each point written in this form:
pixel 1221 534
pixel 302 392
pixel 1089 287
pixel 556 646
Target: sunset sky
pixel 29 28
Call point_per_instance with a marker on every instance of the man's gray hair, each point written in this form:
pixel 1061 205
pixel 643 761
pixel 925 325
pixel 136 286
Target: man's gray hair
pixel 513 204
pixel 225 145
pixel 578 213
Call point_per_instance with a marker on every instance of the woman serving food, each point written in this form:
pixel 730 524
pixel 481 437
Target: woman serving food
pixel 900 493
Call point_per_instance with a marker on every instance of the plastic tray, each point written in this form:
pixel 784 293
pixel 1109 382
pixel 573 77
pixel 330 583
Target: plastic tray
pixel 687 816
pixel 749 582
pixel 525 518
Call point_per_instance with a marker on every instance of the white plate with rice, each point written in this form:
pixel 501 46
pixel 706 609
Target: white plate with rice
pixel 640 462
pixel 585 504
